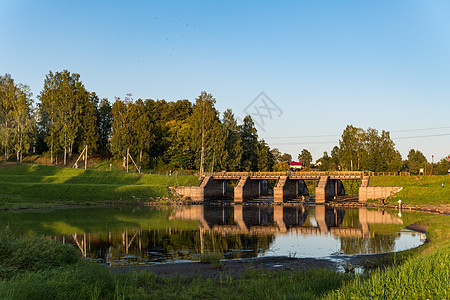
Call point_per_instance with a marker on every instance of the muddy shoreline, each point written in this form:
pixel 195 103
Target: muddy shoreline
pixel 238 267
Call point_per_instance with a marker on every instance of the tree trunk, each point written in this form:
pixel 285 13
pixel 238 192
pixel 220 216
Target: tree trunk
pixel 202 155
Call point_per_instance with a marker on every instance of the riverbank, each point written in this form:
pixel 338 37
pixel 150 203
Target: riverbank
pixel 36 186
pixel 419 273
pixel 33 268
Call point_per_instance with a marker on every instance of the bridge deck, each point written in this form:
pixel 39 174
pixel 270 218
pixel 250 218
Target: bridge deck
pixel 292 175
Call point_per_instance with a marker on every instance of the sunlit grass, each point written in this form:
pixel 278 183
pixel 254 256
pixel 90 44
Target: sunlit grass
pixel 424 277
pixel 417 190
pixel 35 184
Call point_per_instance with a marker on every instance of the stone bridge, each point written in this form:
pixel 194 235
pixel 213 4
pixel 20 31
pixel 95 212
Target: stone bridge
pixel 289 185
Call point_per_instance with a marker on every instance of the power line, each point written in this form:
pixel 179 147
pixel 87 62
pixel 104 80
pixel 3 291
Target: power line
pixel 420 136
pixel 421 129
pixel 336 135
pixel 336 142
pixel 305 143
pixel 301 136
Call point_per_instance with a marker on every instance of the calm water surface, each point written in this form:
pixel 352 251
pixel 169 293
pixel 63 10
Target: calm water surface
pixel 130 235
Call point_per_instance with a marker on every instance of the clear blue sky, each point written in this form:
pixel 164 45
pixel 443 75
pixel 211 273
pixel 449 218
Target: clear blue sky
pixel 325 64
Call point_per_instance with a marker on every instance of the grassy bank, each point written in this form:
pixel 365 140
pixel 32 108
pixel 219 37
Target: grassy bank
pixel 417 190
pixel 37 185
pixel 33 268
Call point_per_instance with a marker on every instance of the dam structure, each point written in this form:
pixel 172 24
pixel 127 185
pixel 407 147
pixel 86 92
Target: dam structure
pixel 288 186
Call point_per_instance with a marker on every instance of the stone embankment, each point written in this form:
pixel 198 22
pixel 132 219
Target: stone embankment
pixel 367 192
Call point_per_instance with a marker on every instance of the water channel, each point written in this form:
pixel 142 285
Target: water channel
pixel 142 235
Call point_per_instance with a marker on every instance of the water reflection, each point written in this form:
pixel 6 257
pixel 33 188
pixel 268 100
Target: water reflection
pixel 143 235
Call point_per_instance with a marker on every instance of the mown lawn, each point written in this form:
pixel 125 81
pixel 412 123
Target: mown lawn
pixel 37 185
pixel 417 190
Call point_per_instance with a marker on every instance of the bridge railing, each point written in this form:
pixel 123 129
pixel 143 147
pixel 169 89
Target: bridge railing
pixel 303 174
pixel 311 174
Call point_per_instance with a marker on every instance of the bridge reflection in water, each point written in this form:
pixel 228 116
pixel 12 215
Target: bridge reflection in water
pixel 242 231
pixel 317 219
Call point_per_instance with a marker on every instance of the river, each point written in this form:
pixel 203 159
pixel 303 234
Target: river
pixel 143 235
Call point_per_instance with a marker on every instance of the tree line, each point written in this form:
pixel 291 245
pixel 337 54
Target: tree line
pixel 68 118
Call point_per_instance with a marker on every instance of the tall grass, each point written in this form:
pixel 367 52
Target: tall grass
pixel 34 268
pixel 426 277
pixel 32 254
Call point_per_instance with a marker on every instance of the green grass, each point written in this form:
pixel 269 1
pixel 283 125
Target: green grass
pixel 37 185
pixel 32 254
pixel 417 190
pixel 425 277
pixel 211 258
pixel 255 284
pixel 31 268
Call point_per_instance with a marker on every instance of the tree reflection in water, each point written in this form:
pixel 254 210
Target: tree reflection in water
pixel 143 235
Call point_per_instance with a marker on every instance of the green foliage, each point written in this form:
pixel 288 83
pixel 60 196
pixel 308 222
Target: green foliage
pixel 67 114
pixel 367 150
pixel 207 135
pixel 305 157
pixel 249 137
pixel 415 161
pixel 442 167
pixel 326 162
pixel 265 157
pixel 233 142
pixel 17 124
pixel 104 125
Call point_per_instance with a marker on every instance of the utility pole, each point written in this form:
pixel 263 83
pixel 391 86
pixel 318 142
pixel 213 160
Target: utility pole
pixel 128 153
pixel 85 161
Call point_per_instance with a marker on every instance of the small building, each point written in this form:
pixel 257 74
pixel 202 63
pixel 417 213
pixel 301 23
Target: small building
pixel 295 166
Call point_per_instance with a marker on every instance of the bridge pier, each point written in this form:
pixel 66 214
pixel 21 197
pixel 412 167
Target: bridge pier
pixel 247 188
pixel 328 188
pixel 287 189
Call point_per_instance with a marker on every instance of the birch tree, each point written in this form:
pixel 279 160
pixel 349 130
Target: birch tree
pixel 16 117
